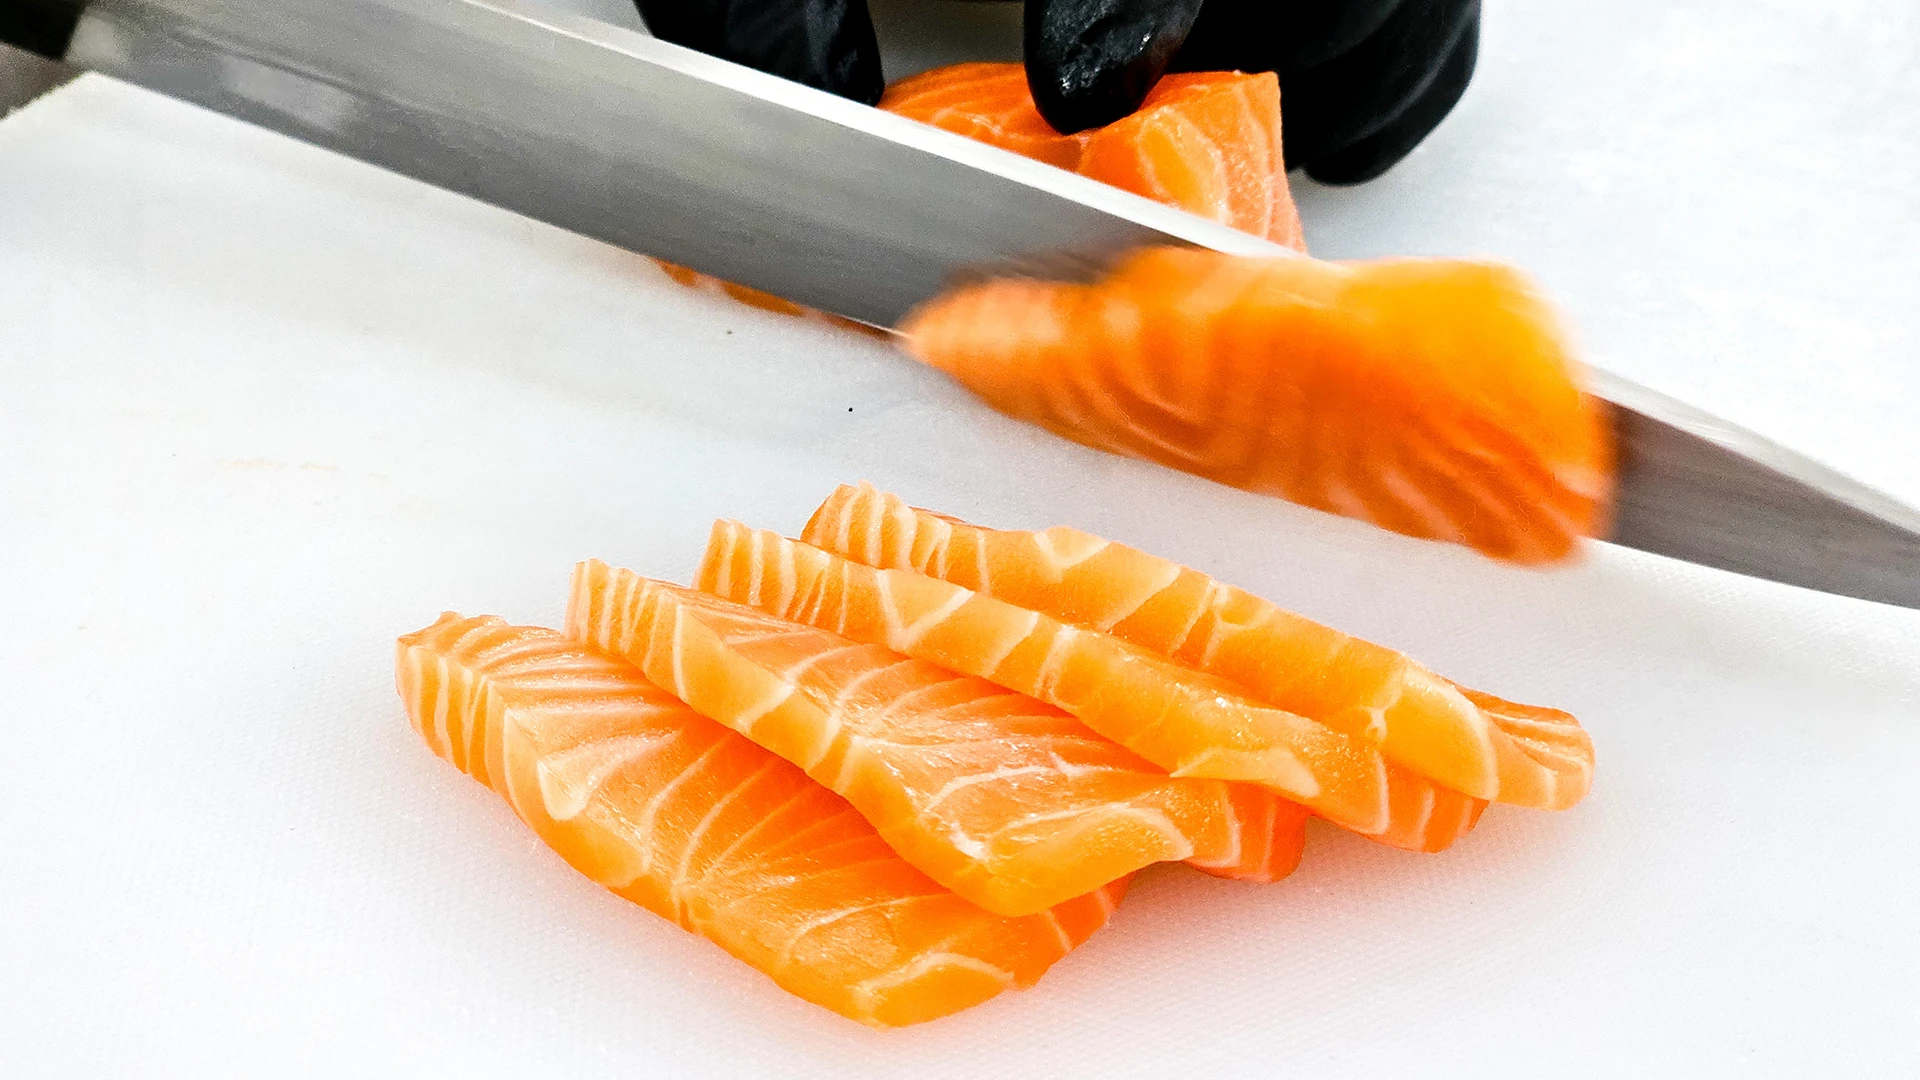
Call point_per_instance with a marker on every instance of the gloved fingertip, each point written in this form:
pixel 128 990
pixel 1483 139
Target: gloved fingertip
pixel 1088 103
pixel 1092 62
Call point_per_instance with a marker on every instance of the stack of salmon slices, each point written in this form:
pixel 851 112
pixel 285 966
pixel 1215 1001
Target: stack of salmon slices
pixel 903 763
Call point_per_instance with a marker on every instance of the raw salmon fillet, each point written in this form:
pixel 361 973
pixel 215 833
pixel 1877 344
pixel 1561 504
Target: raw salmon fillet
pixel 1189 723
pixel 1204 142
pixel 703 827
pixel 1009 802
pixel 1474 743
pixel 1433 397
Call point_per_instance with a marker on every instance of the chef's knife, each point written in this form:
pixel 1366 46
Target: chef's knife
pixel 661 150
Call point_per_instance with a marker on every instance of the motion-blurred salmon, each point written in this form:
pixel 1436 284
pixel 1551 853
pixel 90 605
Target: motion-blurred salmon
pixel 1433 397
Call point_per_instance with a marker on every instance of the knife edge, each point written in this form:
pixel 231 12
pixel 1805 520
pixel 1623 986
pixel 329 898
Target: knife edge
pixel 1696 487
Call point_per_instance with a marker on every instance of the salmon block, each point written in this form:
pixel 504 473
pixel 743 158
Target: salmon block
pixel 701 826
pixel 1433 397
pixel 1204 142
pixel 1189 723
pixel 1471 742
pixel 1007 801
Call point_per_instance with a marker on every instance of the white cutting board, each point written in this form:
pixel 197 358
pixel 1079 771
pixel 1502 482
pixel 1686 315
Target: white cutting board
pixel 261 409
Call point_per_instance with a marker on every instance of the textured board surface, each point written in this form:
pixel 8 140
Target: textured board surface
pixel 262 409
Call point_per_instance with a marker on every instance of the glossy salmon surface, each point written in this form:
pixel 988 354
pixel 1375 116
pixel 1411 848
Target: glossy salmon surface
pixel 703 827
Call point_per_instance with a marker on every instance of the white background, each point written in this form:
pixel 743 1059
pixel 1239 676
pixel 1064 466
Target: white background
pixel 262 409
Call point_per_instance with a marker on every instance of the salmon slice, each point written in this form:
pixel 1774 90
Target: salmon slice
pixel 1432 397
pixel 1189 723
pixel 1204 142
pixel 1010 803
pixel 701 826
pixel 1474 743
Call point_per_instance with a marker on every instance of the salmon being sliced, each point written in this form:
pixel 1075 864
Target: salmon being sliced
pixel 1433 397
pixel 1009 802
pixel 1204 142
pixel 703 827
pixel 1189 723
pixel 986 102
pixel 1474 743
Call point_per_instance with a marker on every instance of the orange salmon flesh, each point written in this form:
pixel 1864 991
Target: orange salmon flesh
pixel 703 827
pixel 1433 397
pixel 1471 742
pixel 906 762
pixel 1204 142
pixel 1189 723
pixel 1007 801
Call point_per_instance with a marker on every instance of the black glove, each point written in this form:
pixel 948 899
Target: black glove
pixel 827 44
pixel 1091 62
pixel 1361 81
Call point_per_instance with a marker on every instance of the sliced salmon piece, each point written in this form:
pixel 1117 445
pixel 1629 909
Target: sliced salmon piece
pixel 1007 801
pixel 1433 397
pixel 1471 742
pixel 1189 723
pixel 701 826
pixel 1204 142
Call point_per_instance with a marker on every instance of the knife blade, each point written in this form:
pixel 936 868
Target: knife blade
pixel 1695 487
pixel 664 151
pixel 630 140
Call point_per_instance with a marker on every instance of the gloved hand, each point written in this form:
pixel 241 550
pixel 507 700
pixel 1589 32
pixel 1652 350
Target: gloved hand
pixel 1361 81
